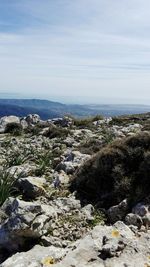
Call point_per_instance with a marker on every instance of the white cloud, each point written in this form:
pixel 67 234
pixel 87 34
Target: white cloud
pixel 83 47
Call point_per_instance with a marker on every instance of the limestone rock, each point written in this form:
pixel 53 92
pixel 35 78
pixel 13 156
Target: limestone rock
pixel 140 209
pixel 133 219
pixel 110 246
pixel 5 121
pixel 25 220
pixel 118 212
pixel 71 161
pixel 31 187
pixel 32 119
pixel 36 257
pixel 63 122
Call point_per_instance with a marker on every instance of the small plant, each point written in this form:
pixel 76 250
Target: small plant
pixel 48 261
pixel 108 135
pixel 115 233
pixel 87 122
pixel 6 143
pixel 44 161
pixel 90 146
pixel 99 218
pixel 33 130
pixel 84 123
pixel 16 159
pixel 7 185
pixel 56 132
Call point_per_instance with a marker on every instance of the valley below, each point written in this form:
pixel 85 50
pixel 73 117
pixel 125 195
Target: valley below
pixel 50 109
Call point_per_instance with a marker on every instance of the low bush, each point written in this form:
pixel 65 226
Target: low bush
pixel 43 162
pixel 33 130
pixel 56 132
pixel 15 158
pixel 87 122
pixel 120 170
pixel 14 128
pixel 126 120
pixel 37 128
pixel 90 146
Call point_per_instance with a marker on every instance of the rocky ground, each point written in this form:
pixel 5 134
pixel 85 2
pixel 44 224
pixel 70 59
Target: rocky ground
pixel 55 204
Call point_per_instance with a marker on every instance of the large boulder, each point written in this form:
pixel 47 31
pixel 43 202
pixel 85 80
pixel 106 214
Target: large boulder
pixel 63 122
pixel 140 215
pixel 32 119
pixel 31 187
pixel 60 221
pixel 118 212
pixel 133 219
pixel 25 220
pixel 36 257
pixel 104 246
pixel 8 120
pixel 109 246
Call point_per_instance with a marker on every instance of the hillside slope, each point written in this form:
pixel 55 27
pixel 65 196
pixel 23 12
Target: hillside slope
pixel 104 220
pixel 48 109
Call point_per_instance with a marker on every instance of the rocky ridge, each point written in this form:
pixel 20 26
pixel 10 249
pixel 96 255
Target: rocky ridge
pixel 42 222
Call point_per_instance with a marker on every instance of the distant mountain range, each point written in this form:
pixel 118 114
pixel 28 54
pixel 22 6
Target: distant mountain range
pixel 49 109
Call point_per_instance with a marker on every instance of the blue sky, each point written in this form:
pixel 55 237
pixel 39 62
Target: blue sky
pixel 76 50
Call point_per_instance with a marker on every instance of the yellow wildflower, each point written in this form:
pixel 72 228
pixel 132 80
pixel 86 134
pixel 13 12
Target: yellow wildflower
pixel 115 233
pixel 48 261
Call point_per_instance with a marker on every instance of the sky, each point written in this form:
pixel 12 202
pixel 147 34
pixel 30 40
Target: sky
pixel 80 51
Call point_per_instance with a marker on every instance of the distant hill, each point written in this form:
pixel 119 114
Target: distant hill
pixel 7 109
pixel 46 109
pixel 49 109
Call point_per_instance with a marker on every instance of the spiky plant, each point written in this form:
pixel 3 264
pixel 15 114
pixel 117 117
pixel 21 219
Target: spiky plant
pixel 7 185
pixel 44 161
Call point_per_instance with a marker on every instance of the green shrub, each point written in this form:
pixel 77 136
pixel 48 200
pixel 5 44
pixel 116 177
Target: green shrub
pixel 90 146
pixel 107 134
pixel 87 122
pixel 14 128
pixel 16 159
pixel 120 170
pixel 7 185
pixel 126 120
pixel 56 132
pixel 44 161
pixel 33 130
pixel 98 218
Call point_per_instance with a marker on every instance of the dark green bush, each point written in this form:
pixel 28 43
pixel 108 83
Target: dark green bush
pixel 14 128
pixel 56 132
pixel 44 162
pixel 119 170
pixel 90 146
pixel 16 158
pixel 33 130
pixel 126 120
pixel 87 122
pixel 37 128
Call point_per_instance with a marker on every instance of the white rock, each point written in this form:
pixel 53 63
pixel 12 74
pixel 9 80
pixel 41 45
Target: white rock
pixel 36 257
pixel 32 119
pixel 4 121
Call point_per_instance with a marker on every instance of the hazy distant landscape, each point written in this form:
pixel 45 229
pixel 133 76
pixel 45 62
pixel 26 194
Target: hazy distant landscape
pixel 49 109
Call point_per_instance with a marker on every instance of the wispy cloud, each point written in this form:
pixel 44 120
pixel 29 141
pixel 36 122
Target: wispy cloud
pixel 94 48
